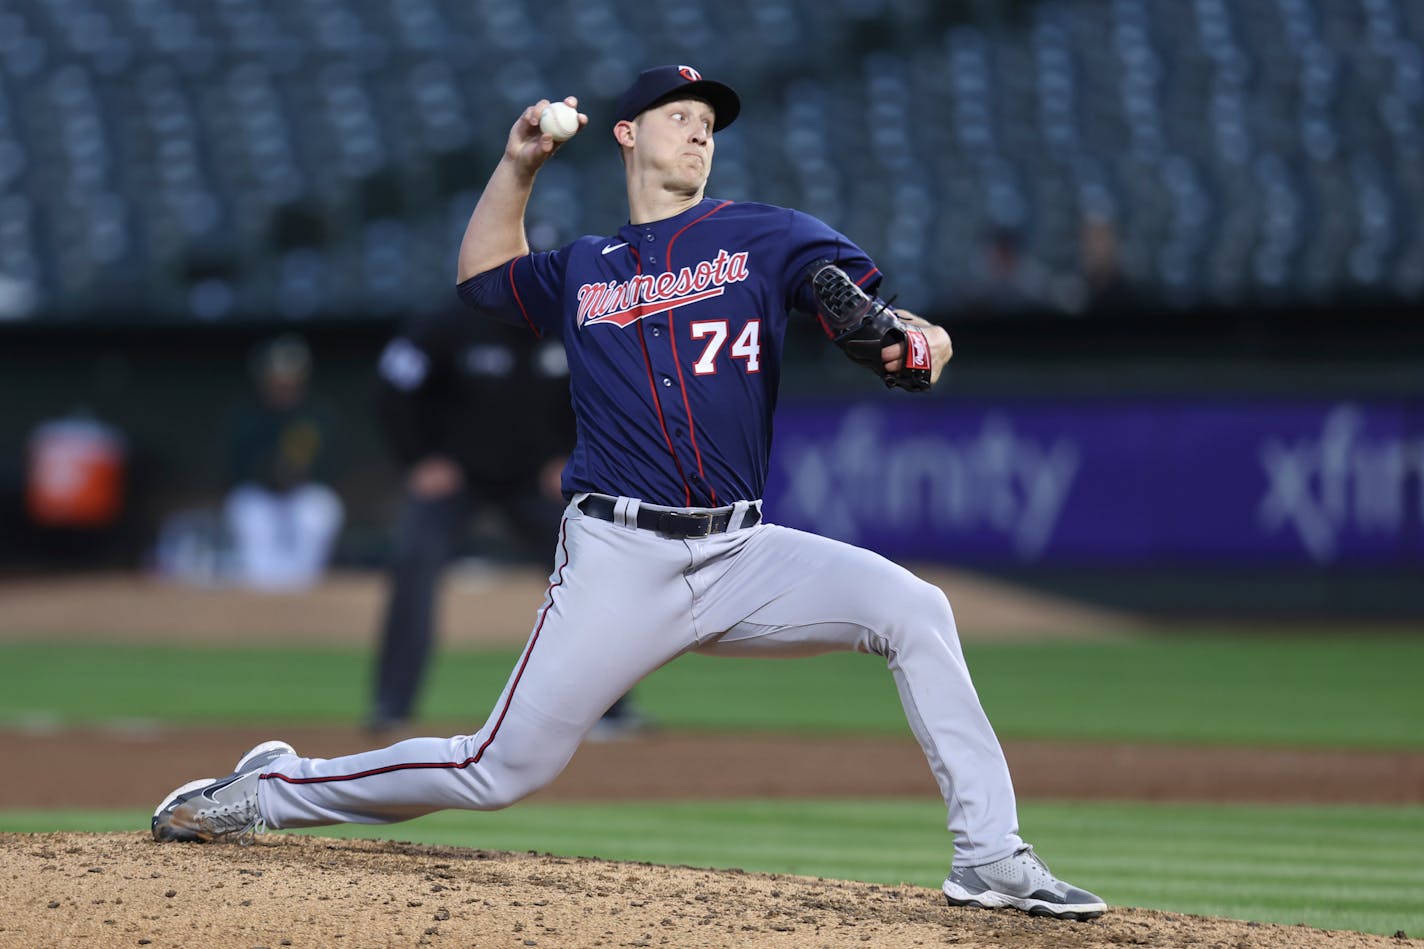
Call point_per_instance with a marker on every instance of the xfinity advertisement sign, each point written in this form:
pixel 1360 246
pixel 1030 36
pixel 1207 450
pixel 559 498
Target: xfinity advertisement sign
pixel 1099 482
pixel 1354 475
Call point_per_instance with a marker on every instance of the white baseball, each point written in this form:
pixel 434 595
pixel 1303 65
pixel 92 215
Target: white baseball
pixel 559 121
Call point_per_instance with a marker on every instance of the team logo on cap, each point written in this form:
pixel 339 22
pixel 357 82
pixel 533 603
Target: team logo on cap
pixel 690 74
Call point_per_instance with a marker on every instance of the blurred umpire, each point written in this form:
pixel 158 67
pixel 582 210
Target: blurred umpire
pixel 448 389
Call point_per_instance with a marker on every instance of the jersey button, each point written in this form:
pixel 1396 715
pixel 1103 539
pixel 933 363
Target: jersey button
pixel 657 332
pixel 667 381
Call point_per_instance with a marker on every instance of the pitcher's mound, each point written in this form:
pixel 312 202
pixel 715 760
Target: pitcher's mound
pixel 126 890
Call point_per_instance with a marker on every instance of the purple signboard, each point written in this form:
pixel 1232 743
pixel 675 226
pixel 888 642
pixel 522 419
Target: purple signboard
pixel 1161 482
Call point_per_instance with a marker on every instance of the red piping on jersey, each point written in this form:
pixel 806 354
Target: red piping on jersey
pixel 662 423
pixel 657 402
pixel 519 300
pixel 672 338
pixel 473 759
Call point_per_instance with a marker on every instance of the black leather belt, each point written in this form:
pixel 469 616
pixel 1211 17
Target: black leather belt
pixel 672 523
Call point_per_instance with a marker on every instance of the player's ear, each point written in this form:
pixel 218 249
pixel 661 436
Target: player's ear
pixel 624 133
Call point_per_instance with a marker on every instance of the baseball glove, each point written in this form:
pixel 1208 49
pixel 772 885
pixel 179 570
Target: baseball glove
pixel 862 326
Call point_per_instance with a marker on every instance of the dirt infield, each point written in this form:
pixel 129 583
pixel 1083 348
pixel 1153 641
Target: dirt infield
pixel 480 605
pixel 141 765
pixel 125 890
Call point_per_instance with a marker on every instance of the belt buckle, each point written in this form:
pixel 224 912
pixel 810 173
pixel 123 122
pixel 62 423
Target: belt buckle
pixel 685 524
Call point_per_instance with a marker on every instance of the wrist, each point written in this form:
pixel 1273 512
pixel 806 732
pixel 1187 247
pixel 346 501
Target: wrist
pixel 517 170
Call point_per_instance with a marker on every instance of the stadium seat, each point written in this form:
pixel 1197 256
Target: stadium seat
pixel 209 161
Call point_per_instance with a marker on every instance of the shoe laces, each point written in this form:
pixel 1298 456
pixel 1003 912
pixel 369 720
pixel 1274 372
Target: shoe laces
pixel 241 822
pixel 1027 851
pixel 248 835
pixel 1037 866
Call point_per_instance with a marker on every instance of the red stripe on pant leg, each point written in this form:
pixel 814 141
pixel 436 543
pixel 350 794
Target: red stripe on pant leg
pixel 473 759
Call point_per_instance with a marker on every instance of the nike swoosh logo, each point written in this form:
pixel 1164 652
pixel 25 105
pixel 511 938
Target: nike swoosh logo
pixel 612 247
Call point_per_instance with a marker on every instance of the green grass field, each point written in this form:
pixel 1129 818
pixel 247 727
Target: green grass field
pixel 1348 691
pixel 1334 867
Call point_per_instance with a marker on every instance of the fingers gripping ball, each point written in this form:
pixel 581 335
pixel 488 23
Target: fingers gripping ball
pixel 559 121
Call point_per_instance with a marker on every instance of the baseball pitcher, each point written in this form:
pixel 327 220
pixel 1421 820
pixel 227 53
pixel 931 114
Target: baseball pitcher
pixel 674 326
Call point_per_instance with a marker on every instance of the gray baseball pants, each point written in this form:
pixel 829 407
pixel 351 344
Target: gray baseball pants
pixel 622 601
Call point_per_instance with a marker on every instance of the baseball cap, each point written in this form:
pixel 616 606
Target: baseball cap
pixel 662 83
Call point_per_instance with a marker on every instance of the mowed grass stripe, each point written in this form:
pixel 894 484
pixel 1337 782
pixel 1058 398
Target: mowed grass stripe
pixel 29 821
pixel 1355 825
pixel 1341 918
pixel 1266 689
pixel 1132 854
pixel 1364 871
pixel 1274 846
pixel 1348 690
pixel 1194 883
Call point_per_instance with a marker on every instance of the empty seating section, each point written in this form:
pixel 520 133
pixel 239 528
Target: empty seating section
pixel 231 159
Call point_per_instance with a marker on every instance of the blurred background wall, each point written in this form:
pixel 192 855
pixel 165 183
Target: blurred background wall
pixel 1178 242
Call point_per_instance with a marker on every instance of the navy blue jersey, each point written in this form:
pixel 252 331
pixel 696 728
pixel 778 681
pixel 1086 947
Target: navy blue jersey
pixel 674 333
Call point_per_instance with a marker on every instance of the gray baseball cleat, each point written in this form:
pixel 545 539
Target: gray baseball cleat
pixel 219 808
pixel 1023 881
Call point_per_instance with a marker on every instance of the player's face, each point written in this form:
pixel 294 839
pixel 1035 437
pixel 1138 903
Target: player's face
pixel 675 141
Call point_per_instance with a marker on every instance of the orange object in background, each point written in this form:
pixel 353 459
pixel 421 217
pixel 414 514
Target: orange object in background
pixel 76 474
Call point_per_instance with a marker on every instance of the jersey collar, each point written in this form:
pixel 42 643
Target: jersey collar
pixel 674 223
